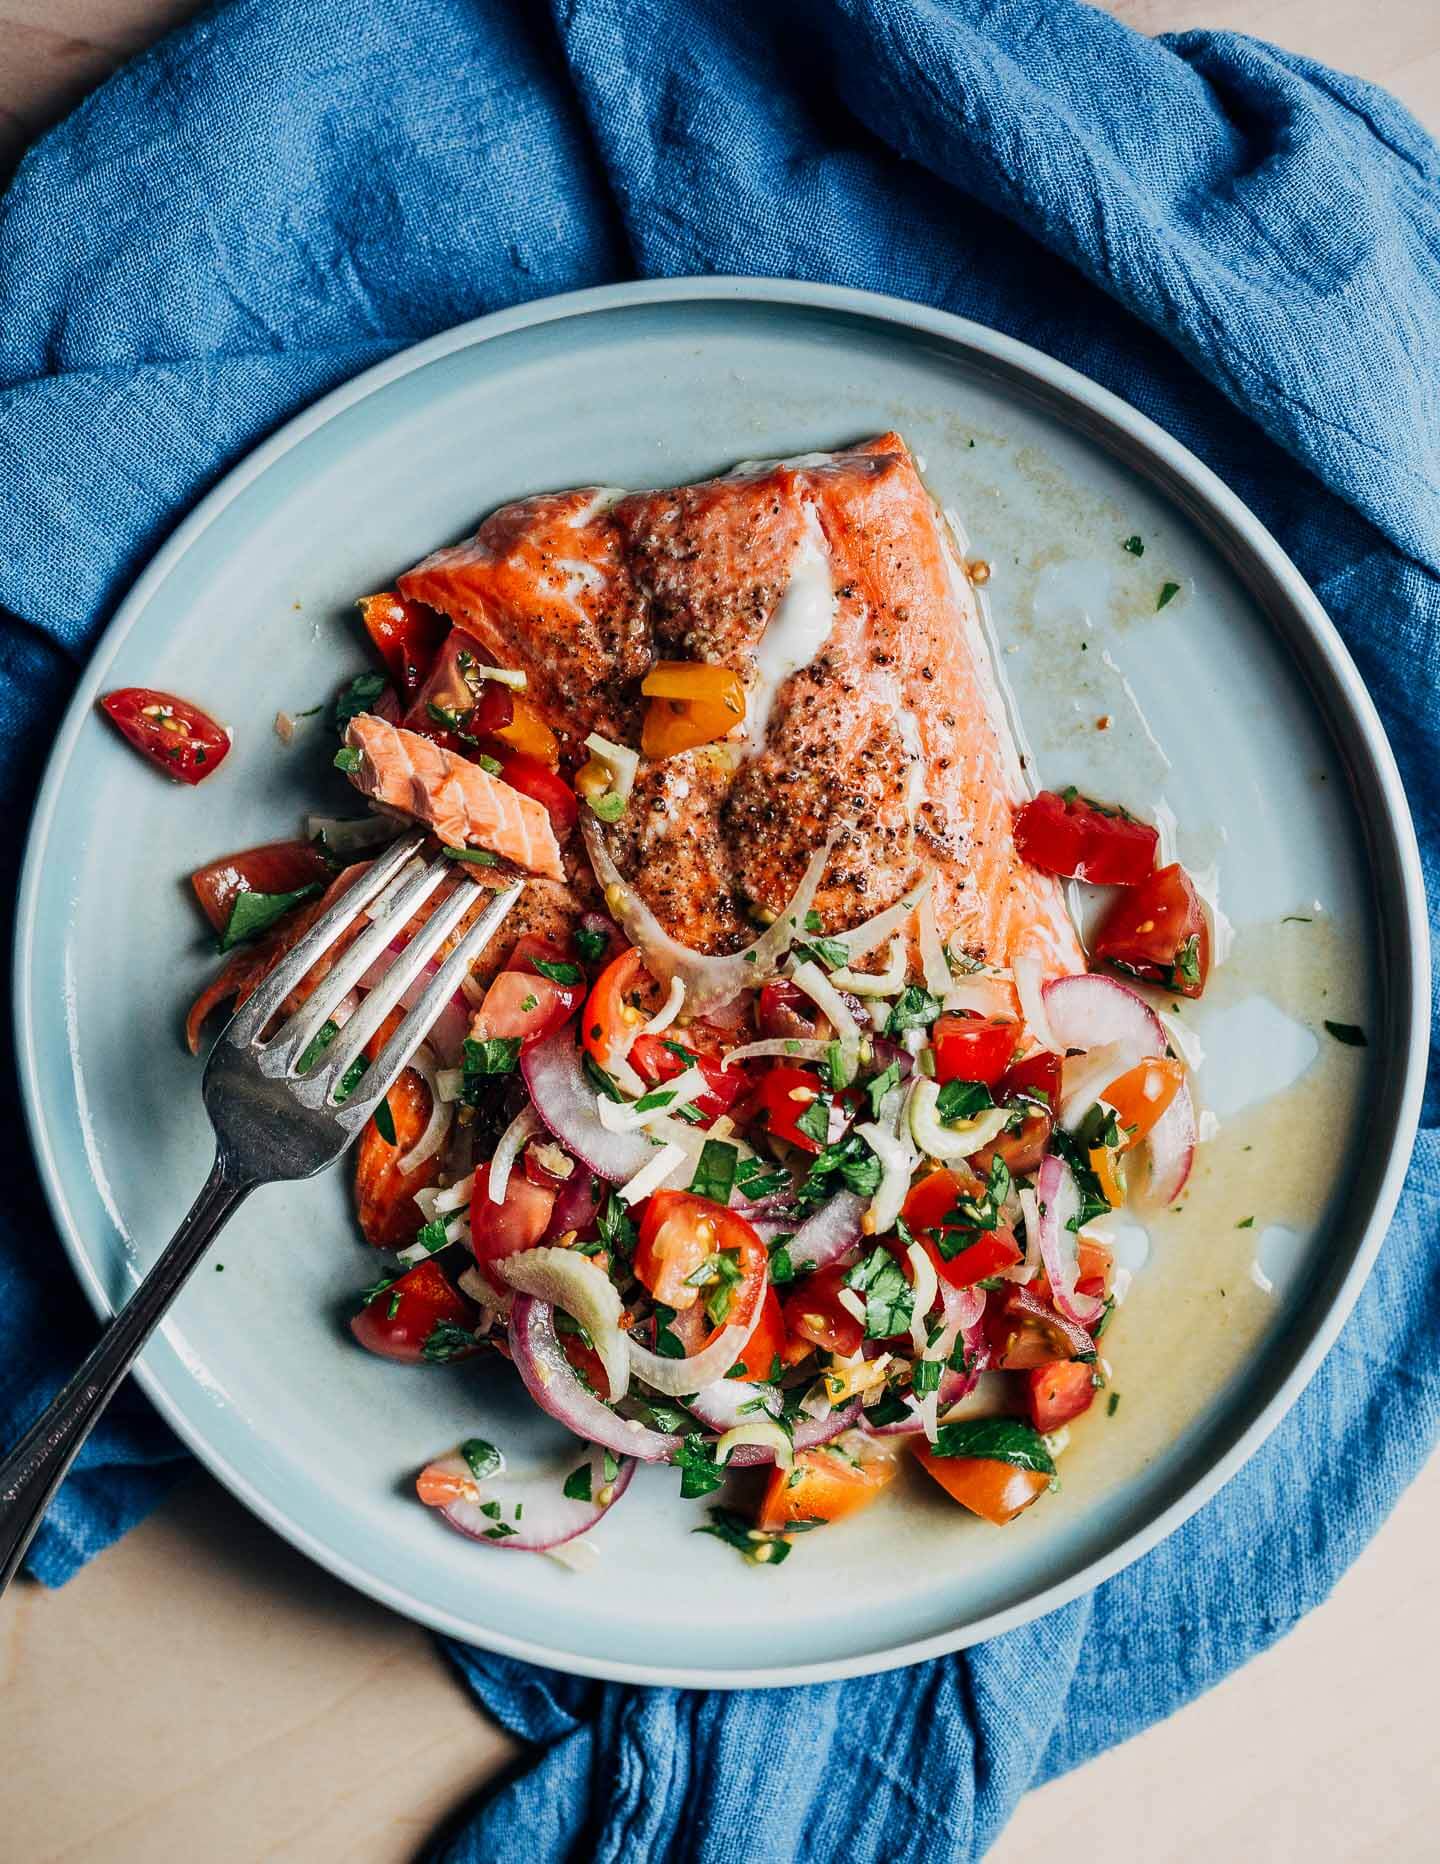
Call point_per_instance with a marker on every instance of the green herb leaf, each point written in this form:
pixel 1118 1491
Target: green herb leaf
pixel 1246 1223
pixel 831 953
pixel 925 1376
pixel 493 1055
pixel 347 758
pixel 879 1086
pixel 914 1008
pixel 448 1340
pixel 1351 1034
pixel 591 945
pixel 889 1300
pixel 1168 592
pixel 759 1548
pixel 814 1122
pixel 432 1237
pixel 667 1344
pixel 559 973
pixel 1001 1439
pixel 1135 546
pixel 477 857
pixel 359 696
pixel 617 1231
pixel 317 1046
pixel 385 1122
pixel 484 1459
pixel 254 913
pixel 962 1100
pixel 351 1079
pixel 782 1269
pixel 1114 1405
pixel 715 1171
pixel 577 1484
pixel 700 1474
pixel 599 1080
pixel 890 1409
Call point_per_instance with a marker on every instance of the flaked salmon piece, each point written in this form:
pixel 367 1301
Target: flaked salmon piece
pixel 464 805
pixel 832 586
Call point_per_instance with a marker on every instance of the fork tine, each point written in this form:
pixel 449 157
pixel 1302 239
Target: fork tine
pixel 247 1024
pixel 381 1074
pixel 291 1042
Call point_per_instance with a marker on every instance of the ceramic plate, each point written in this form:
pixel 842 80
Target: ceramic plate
pixel 1235 703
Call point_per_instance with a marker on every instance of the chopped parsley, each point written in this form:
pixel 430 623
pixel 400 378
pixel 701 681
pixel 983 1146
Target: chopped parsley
pixel 484 1459
pixel 814 1122
pixel 432 1237
pixel 1114 1404
pixel 831 953
pixel 1168 592
pixel 576 1486
pixel 880 1085
pixel 851 1162
pixel 1093 1201
pixel 599 1080
pixel 667 1344
pixel 317 1046
pixel 758 1547
pixel 359 696
pixel 1351 1034
pixel 962 1100
pixel 1246 1223
pixel 657 1098
pixel 1186 969
pixel 560 972
pixel 915 1008
pixel 782 1269
pixel 925 1376
pixel 347 758
pixel 700 1474
pixel 1000 1439
pixel 1135 545
pixel 890 1409
pixel 715 1170
pixel 447 1340
pixel 617 1231
pixel 254 913
pixel 492 1055
pixel 889 1300
pixel 385 1122
pixel 477 857
pixel 591 945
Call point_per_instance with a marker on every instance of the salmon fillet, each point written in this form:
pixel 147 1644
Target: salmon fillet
pixel 460 801
pixel 831 585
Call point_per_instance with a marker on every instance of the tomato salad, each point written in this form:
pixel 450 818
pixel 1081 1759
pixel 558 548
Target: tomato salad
pixel 779 1233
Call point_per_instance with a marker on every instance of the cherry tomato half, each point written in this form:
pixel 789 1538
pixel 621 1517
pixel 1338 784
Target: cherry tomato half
pixel 177 737
pixel 785 1011
pixel 1157 932
pixel 1074 837
pixel 654 1059
pixel 812 1311
pixel 522 1001
pixel 765 1345
pixel 679 1233
pixel 1057 1393
pixel 1141 1096
pixel 785 1093
pixel 994 1490
pixel 275 867
pixel 417 1311
pixel 624 997
pixel 505 1229
pixel 822 1486
pixel 968 1048
pixel 537 780
pixel 407 635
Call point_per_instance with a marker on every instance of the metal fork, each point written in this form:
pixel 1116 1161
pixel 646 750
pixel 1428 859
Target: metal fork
pixel 272 1121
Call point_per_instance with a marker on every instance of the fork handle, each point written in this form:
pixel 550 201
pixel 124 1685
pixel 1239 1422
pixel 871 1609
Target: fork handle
pixel 35 1468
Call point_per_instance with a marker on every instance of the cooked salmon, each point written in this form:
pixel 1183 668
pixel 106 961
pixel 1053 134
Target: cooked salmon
pixel 831 585
pixel 460 801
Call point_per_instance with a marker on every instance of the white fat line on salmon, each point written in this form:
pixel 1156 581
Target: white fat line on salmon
pixel 1017 760
pixel 796 631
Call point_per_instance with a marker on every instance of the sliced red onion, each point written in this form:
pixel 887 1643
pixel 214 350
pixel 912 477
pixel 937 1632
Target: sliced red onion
pixel 810 1433
pixel 450 1028
pixel 524 1126
pixel 1086 1011
pixel 884 1051
pixel 1170 1150
pixel 551 1381
pixel 1058 1205
pixel 534 1512
pixel 826 1236
pixel 565 1101
pixel 709 982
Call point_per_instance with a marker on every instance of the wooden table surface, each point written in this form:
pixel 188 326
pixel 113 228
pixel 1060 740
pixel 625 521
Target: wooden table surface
pixel 202 1690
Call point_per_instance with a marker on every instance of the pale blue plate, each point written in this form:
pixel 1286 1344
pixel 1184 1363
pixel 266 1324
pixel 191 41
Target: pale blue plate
pixel 1237 699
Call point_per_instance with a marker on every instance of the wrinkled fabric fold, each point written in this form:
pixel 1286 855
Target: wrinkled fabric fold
pixel 1240 242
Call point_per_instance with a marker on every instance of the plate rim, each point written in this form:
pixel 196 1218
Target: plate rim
pixel 1119 430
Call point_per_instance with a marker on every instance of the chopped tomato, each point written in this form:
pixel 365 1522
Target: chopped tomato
pixel 274 867
pixel 679 1233
pixel 785 1011
pixel 1093 1262
pixel 505 1229
pixel 586 1361
pixel 1157 932
pixel 1035 1084
pixel 813 1311
pixel 407 636
pixel 419 1309
pixel 1059 1392
pixel 622 999
pixel 384 1195
pixel 785 1093
pixel 177 737
pixel 765 1345
pixel 995 1491
pixel 930 1206
pixel 1141 1097
pixel 691 703
pixel 654 1059
pixel 1070 835
pixel 823 1486
pixel 1037 1077
pixel 1024 1332
pixel 545 786
pixel 522 1001
pixel 990 1253
pixel 967 1048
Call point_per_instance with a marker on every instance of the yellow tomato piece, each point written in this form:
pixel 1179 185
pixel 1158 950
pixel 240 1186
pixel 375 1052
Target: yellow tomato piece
pixel 529 733
pixel 698 682
pixel 1102 1163
pixel 1142 1095
pixel 675 725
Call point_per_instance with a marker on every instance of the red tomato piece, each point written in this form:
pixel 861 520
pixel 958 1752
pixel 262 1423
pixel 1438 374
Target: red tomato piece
pixel 654 1061
pixel 505 1229
pixel 765 1345
pixel 785 1011
pixel 785 1093
pixel 275 867
pixel 928 1208
pixel 812 1311
pixel 1056 1393
pixel 537 780
pixel 1035 1083
pixel 1038 1076
pixel 995 1491
pixel 177 737
pixel 1024 1332
pixel 1074 837
pixel 1158 933
pixel 990 1253
pixel 623 998
pixel 407 636
pixel 420 1309
pixel 823 1486
pixel 522 1001
pixel 679 1233
pixel 967 1048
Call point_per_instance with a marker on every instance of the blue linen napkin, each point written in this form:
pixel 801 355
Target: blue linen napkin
pixel 1241 242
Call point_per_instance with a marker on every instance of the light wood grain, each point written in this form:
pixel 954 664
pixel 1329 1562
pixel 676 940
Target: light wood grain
pixel 202 1691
